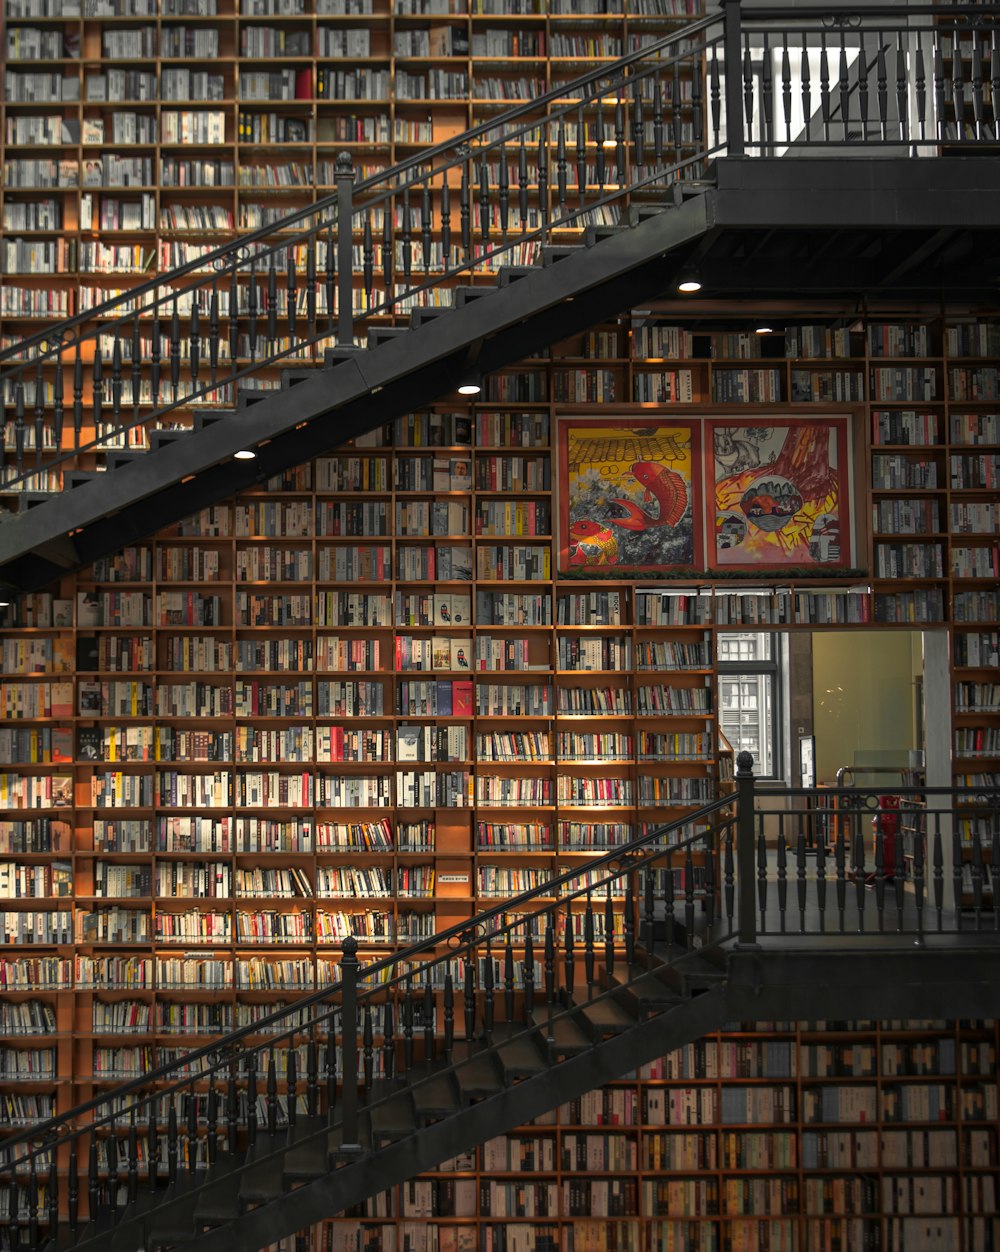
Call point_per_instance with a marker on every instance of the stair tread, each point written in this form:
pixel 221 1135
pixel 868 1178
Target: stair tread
pixel 392 1117
pixel 652 989
pixel 477 1075
pixel 436 1096
pixel 522 1055
pixel 607 1016
pixel 567 1035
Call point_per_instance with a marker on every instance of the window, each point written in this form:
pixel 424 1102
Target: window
pixel 750 697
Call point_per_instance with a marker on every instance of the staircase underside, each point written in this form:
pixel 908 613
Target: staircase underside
pixel 782 979
pixel 763 228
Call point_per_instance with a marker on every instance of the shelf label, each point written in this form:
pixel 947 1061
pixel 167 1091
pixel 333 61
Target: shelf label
pixel 453 877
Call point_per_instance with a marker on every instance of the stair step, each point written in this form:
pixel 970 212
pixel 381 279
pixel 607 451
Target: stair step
pixel 461 296
pixel 652 992
pixel 247 397
pixel 420 316
pixel 643 212
pixel 476 1073
pixel 334 356
pixel 383 334
pixel 520 1052
pixel 552 253
pixel 292 377
pixel 203 418
pixel 77 478
pixel 218 1198
pixel 262 1179
pixel 567 1035
pixel 392 1117
pixel 435 1097
pixel 509 274
pixel 699 972
pixel 606 1017
pixel 594 234
pixel 119 458
pixel 163 438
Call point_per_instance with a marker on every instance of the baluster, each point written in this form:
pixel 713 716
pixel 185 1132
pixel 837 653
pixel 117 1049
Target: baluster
pixel 271 303
pixel 39 415
pixel 484 199
pixel 504 193
pixel 331 1069
pixel 58 410
pixel 272 1092
pixel 677 112
pixel 569 956
pixel 840 860
pixel 470 997
pixel 522 183
pixel 136 370
pixel 901 92
pixel 958 86
pixel 550 980
pixel 715 95
pixel 449 1017
pixel 312 1077
pixel 919 884
pixel 657 122
pixel 937 876
pixel 529 976
pixel 648 911
pixel 588 944
pixel 115 1164
pixel 863 93
pixel 709 905
pixel 880 878
pixel 995 97
pixel 172 1140
pixel 428 1021
pixel 388 257
pixel 212 1137
pixel 291 294
pixel 638 125
pixel 762 882
pixel 599 140
pixel 406 230
pixel 858 868
pixel 292 1083
pixel 3 426
pixel 748 106
pixel 52 1198
pixel 152 1146
pixel 77 398
pixel 767 92
pixel 388 1039
pixel 367 1050
pixel 729 878
pixel 175 351
pixel 445 221
pixel 252 1097
pixel 786 87
pixel 93 1189
pixel 821 881
pixel 668 905
pixel 73 1185
pixel 311 287
pixel 977 86
pixel 368 260
pixel 956 878
pixel 426 226
pixel 32 1202
pixel 192 1130
pixel 508 981
pixel 543 181
pixel 845 88
pixel 408 1025
pixel 824 85
pixel 920 74
pixel 232 1109
pixel 881 88
pixel 330 276
pixel 629 923
pixel 689 896
pixel 561 184
pixel 194 342
pixel 252 308
pixel 697 114
pixel 235 308
pixel 465 213
pixel 609 933
pixel 937 69
pixel 899 885
pixel 805 80
pixel 133 1155
pixel 995 871
pixel 97 382
pixel 489 987
pixel 800 875
pixel 581 156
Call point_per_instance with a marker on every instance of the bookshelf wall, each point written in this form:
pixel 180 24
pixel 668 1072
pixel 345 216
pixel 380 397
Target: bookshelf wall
pixel 361 699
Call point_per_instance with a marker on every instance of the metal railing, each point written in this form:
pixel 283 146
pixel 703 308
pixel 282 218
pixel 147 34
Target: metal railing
pixel 751 869
pixel 743 83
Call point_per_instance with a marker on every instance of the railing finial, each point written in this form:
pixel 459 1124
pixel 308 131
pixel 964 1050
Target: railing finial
pixel 744 764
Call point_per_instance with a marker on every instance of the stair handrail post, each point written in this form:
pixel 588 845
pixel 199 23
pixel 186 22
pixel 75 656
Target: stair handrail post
pixel 745 849
pixel 344 178
pixel 732 29
pixel 349 1046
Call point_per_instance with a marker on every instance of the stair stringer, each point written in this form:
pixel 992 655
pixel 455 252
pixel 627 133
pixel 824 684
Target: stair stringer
pixel 350 398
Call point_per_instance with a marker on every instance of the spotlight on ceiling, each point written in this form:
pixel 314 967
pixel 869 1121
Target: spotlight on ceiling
pixel 688 281
pixel 245 454
pixel 764 330
pixel 470 385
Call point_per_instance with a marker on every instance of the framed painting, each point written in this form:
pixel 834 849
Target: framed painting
pixel 629 495
pixel 781 494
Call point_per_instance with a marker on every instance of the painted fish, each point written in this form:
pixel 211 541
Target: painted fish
pixel 592 544
pixel 663 485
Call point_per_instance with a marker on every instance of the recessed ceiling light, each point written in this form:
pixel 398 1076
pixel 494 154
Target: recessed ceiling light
pixel 688 281
pixel 245 454
pixel 470 386
pixel 765 330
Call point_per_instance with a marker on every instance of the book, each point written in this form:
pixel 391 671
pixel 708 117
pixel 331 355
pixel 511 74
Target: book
pixel 62 613
pixel 89 697
pixel 461 653
pixel 88 609
pixel 87 652
pixel 462 698
pixel 89 743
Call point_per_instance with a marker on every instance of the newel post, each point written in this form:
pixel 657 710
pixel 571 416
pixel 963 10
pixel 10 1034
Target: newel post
pixel 349 1046
pixel 733 56
pixel 344 178
pixel 745 847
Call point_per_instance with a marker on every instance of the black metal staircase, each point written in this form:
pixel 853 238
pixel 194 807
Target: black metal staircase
pixel 577 205
pixel 409 1060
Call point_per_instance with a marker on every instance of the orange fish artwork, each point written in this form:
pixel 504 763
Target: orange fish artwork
pixel 663 485
pixel 592 544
